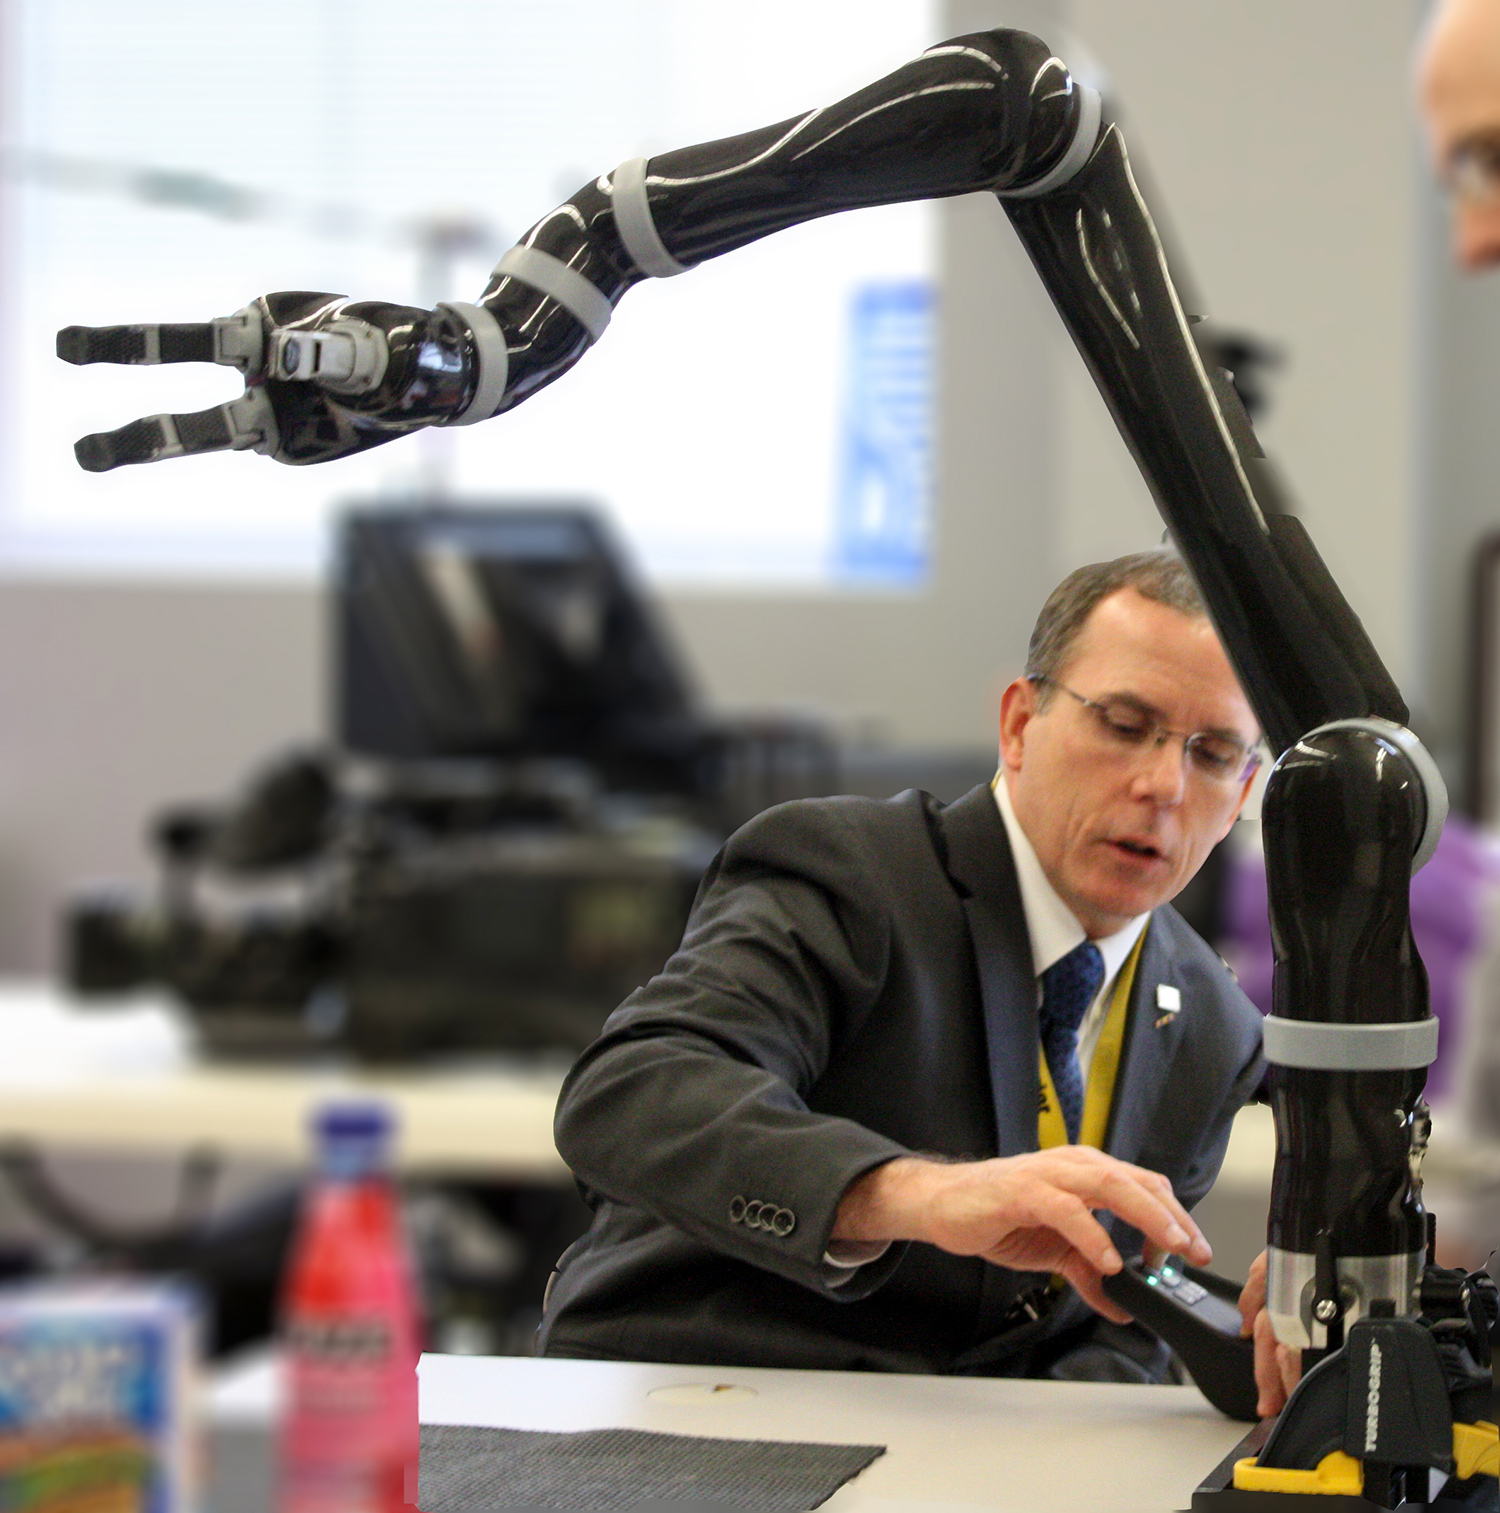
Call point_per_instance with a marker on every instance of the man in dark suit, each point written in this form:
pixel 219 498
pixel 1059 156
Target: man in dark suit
pixel 865 1117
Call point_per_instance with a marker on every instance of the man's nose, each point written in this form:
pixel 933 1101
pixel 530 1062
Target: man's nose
pixel 1162 773
pixel 1476 234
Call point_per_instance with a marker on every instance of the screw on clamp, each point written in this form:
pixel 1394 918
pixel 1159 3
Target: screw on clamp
pixel 1327 1307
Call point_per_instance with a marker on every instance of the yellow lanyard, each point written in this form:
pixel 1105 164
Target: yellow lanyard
pixel 1051 1128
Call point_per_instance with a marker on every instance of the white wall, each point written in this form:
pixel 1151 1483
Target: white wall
pixel 1278 133
pixel 117 699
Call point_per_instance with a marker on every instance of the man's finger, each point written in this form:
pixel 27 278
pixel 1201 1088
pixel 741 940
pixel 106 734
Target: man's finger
pixel 1253 1296
pixel 1086 1284
pixel 1268 1378
pixel 1142 1197
pixel 1159 1187
pixel 1068 1216
pixel 1160 1219
pixel 1289 1364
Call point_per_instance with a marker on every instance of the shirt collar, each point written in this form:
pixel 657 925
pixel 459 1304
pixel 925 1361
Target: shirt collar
pixel 1050 923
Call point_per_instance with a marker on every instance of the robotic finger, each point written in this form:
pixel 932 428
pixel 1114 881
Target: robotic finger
pixel 245 423
pixel 236 341
pixel 349 355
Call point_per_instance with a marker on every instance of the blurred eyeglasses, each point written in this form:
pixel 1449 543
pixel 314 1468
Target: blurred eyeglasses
pixel 1124 725
pixel 1473 170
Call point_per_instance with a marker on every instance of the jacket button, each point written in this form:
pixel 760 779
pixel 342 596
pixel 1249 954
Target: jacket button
pixel 783 1222
pixel 752 1214
pixel 736 1210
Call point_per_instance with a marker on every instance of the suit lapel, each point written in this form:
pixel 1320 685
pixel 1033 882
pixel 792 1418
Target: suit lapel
pixel 979 861
pixel 1149 1048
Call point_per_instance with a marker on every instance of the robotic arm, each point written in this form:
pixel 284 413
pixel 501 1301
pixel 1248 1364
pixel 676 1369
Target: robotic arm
pixel 327 377
pixel 1353 805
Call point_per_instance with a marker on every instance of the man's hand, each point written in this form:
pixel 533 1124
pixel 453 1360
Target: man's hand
pixel 1278 1367
pixel 1030 1213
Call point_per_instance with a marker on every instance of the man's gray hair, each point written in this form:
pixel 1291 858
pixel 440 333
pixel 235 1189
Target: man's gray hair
pixel 1159 575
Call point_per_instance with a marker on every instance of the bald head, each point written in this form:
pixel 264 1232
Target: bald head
pixel 1459 87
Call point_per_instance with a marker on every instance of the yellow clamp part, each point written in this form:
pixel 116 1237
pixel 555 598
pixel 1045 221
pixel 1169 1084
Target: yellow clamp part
pixel 1476 1452
pixel 1476 1449
pixel 1337 1473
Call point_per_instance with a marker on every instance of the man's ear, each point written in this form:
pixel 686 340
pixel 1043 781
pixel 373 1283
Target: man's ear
pixel 1017 706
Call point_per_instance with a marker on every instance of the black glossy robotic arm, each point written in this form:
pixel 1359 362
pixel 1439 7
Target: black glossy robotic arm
pixel 327 377
pixel 995 111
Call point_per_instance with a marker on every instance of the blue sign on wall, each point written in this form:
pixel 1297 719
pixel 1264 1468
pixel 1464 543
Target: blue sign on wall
pixel 883 521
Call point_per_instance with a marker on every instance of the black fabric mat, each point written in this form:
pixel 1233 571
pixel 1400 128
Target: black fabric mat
pixel 465 1469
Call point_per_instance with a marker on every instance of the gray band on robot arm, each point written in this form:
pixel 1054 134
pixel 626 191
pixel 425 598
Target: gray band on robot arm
pixel 1434 789
pixel 564 284
pixel 1322 1047
pixel 494 362
pixel 1090 114
pixel 634 222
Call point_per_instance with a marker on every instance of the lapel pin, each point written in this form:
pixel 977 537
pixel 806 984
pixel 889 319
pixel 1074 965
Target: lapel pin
pixel 1169 1001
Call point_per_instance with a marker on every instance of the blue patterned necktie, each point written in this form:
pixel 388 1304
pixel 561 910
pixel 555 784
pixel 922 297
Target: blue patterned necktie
pixel 1069 986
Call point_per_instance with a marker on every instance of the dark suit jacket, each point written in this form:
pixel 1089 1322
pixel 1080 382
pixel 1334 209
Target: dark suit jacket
pixel 855 979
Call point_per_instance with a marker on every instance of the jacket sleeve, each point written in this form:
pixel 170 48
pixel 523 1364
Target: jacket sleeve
pixel 692 1104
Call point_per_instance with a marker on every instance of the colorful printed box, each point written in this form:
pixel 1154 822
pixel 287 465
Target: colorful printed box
pixel 95 1398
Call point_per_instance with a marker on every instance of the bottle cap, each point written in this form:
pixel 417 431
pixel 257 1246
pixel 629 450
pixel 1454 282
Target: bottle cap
pixel 353 1139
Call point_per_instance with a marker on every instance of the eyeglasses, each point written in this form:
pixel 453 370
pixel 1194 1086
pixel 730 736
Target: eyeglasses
pixel 1124 725
pixel 1472 172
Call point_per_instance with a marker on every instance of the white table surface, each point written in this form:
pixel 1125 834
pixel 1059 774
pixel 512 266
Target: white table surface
pixel 126 1079
pixel 955 1443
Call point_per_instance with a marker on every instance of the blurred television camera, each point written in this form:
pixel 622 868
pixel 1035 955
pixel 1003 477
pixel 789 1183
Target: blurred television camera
pixel 504 838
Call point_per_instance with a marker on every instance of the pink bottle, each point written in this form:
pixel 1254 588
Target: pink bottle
pixel 349 1330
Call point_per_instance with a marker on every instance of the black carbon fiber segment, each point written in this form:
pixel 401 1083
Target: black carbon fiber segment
pixel 86 344
pixel 203 431
pixel 187 343
pixel 137 442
